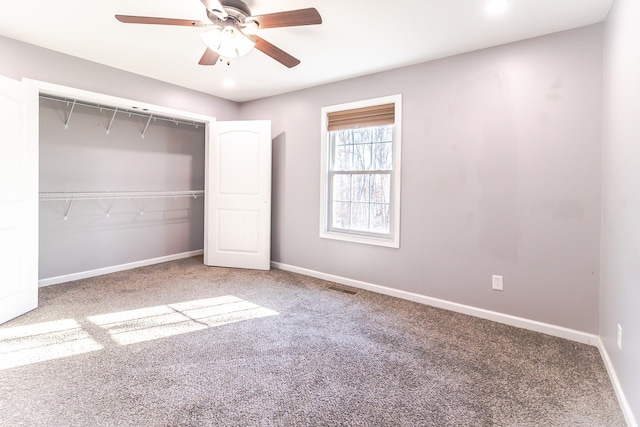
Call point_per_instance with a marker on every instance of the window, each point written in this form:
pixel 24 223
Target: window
pixel 360 183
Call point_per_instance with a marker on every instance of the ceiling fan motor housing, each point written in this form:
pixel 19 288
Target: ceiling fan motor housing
pixel 237 12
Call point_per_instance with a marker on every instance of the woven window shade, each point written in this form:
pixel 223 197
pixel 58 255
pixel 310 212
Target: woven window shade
pixel 377 115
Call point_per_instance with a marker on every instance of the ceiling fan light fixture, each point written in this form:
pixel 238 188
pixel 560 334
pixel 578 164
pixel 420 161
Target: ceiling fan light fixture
pixel 228 42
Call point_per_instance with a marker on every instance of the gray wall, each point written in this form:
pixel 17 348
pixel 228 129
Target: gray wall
pixel 620 260
pixel 500 170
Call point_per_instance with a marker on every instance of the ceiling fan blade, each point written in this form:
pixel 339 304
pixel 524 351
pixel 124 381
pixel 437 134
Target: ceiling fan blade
pixel 292 18
pixel 216 7
pixel 128 19
pixel 209 57
pixel 276 53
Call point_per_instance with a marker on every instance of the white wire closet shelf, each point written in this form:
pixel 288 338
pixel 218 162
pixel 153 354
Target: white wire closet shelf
pixel 69 197
pixel 111 195
pixel 72 103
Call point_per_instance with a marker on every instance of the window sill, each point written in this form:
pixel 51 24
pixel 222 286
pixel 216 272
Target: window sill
pixel 366 240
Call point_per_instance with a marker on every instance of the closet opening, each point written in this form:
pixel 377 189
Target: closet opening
pixel 121 184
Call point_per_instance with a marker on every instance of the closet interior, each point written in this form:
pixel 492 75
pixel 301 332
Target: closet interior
pixel 117 186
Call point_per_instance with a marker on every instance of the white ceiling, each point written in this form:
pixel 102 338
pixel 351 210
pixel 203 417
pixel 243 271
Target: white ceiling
pixel 357 37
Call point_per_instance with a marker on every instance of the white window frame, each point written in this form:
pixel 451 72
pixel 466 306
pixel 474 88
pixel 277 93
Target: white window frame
pixel 391 240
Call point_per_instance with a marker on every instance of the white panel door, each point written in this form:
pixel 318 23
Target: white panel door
pixel 238 195
pixel 18 198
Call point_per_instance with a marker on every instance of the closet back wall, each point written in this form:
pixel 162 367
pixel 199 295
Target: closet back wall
pixel 110 232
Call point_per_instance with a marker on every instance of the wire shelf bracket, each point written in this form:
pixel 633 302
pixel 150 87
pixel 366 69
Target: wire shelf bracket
pixel 111 122
pixel 147 126
pixel 66 211
pixel 66 122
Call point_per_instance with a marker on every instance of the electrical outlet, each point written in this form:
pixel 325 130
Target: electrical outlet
pixel 619 337
pixel 496 282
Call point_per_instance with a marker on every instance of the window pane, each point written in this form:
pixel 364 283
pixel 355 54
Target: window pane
pixel 343 137
pixel 362 149
pixel 342 187
pixel 342 157
pixel 381 188
pixel 341 215
pixel 382 156
pixel 380 217
pixel 359 135
pixel 360 216
pixel 361 157
pixel 382 134
pixel 360 188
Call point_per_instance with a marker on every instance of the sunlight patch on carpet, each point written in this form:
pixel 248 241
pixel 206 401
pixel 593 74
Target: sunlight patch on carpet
pixel 147 324
pixel 39 342
pixel 24 345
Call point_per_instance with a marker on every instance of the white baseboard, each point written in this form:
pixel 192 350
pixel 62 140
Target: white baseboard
pixel 532 325
pixel 622 399
pixel 106 270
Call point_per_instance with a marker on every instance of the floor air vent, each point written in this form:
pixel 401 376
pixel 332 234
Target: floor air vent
pixel 343 290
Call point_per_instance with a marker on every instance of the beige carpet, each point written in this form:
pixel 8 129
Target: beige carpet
pixel 181 344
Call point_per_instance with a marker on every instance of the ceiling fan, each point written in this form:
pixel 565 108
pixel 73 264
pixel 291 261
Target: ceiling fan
pixel 232 27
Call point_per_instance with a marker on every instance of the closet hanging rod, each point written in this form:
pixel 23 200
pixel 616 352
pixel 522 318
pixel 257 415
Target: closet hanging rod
pixel 132 111
pixel 110 195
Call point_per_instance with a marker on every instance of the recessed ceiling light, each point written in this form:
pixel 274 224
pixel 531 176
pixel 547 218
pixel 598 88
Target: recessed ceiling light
pixel 496 7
